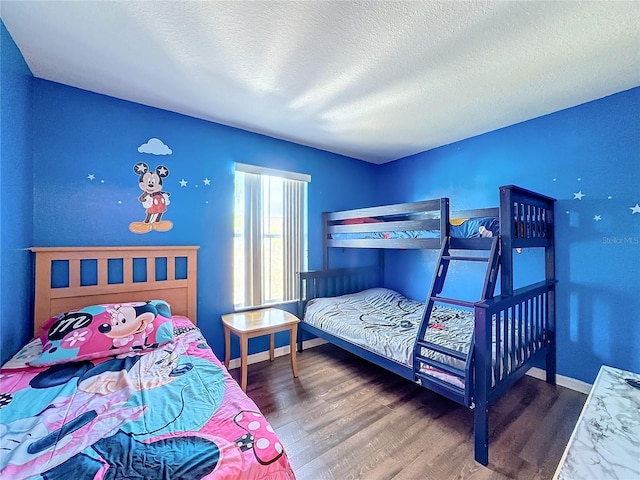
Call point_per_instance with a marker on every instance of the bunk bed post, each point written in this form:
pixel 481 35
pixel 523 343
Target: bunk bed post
pixel 550 274
pixel 325 245
pixel 482 386
pixel 506 236
pixel 302 294
pixel 550 360
pixel 444 220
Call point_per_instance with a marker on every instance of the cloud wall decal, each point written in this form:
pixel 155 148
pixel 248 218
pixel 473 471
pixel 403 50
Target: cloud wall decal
pixel 155 146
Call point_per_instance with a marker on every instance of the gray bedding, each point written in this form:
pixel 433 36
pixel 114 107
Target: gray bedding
pixel 385 322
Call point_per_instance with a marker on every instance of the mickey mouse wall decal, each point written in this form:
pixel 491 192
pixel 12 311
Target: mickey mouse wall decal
pixel 153 199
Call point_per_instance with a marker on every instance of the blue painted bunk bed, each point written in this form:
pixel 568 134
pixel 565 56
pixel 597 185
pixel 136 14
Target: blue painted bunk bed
pixel 509 332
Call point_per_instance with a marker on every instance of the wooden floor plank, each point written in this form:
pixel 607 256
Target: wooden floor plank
pixel 344 418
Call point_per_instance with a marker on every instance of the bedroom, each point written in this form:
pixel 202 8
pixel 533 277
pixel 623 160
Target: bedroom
pixel 54 136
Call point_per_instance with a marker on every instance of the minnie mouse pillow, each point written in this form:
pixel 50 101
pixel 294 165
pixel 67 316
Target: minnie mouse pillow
pixel 104 330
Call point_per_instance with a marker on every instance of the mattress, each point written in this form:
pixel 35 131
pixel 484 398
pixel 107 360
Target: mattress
pixel 385 322
pixel 172 412
pixel 471 228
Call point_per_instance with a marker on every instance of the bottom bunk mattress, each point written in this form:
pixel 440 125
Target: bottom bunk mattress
pixel 172 412
pixel 385 322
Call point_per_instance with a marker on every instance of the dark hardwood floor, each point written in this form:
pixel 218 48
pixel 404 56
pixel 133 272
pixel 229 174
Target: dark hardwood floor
pixel 344 418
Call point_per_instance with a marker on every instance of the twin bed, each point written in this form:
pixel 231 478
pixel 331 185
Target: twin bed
pixel 470 352
pixel 123 384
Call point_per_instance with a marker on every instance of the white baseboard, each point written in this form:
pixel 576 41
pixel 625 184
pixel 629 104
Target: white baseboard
pixel 567 382
pixel 278 352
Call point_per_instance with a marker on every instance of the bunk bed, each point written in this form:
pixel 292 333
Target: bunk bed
pixel 497 338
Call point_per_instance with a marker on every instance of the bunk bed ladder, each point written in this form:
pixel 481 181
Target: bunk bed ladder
pixel 437 285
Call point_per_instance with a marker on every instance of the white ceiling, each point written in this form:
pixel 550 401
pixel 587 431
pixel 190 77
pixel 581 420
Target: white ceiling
pixel 373 80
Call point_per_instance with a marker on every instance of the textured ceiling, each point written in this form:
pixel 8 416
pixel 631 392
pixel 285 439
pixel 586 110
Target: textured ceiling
pixel 375 81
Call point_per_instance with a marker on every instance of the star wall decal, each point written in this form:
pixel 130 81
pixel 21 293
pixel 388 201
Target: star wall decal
pixel 635 209
pixel 183 183
pixel 578 195
pixel 91 176
pixel 597 218
pixel 206 181
pixel 140 168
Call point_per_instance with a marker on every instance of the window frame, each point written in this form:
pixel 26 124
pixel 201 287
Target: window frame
pixel 252 281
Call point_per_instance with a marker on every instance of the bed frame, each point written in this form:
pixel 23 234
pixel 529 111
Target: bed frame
pixel 526 221
pixel 425 215
pixel 67 278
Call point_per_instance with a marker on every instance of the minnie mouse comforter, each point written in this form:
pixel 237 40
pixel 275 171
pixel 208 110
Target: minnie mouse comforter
pixel 169 413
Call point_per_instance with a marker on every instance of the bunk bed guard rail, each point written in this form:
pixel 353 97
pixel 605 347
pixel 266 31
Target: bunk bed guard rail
pixel 511 335
pixel 334 282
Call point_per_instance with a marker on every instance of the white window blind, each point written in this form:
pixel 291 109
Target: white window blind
pixel 269 235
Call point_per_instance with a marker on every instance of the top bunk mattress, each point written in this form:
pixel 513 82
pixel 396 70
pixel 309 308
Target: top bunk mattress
pixel 463 228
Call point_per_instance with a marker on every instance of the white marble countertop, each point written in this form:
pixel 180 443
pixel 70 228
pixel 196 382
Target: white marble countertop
pixel 605 443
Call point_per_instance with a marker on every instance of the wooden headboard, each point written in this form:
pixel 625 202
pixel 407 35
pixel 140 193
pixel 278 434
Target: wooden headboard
pixel 105 263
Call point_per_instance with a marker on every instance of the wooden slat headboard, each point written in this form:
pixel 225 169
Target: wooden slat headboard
pixel 180 293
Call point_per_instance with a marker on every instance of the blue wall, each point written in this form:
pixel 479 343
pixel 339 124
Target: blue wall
pixel 78 134
pixel 53 137
pixel 592 149
pixel 16 192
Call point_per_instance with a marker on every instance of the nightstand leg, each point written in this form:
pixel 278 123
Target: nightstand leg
pixel 294 363
pixel 243 360
pixel 227 347
pixel 272 344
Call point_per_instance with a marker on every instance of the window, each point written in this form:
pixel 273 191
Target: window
pixel 269 235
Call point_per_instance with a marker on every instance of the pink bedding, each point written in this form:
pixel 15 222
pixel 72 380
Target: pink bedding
pixel 173 412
